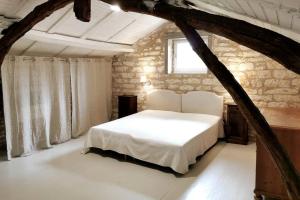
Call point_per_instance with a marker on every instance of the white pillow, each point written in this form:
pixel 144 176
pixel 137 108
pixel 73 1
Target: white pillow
pixel 202 102
pixel 164 100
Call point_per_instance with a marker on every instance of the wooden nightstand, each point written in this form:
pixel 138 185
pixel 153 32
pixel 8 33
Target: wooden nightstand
pixel 236 127
pixel 127 105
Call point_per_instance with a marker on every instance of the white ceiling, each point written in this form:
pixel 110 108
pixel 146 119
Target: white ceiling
pixel 111 32
pixel 108 33
pixel 282 16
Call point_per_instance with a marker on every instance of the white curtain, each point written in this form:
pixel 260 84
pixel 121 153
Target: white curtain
pixel 91 93
pixel 49 100
pixel 37 103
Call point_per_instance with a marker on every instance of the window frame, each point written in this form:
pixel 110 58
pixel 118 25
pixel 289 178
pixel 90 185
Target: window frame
pixel 169 50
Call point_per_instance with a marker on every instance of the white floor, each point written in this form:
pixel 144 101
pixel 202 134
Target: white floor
pixel 226 172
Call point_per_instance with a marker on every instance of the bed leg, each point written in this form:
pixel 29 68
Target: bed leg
pixel 125 157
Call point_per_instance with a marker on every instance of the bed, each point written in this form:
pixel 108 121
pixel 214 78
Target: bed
pixel 172 132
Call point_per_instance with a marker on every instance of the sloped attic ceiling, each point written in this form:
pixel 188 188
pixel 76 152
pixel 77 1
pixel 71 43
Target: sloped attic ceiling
pixel 109 32
pixel 282 16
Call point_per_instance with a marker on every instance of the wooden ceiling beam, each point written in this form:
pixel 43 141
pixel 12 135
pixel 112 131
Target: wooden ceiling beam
pixel 82 9
pixel 18 29
pixel 61 20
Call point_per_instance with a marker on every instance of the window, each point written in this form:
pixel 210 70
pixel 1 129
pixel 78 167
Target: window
pixel 181 58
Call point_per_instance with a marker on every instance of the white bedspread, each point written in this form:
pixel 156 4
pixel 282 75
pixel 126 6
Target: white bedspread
pixel 166 138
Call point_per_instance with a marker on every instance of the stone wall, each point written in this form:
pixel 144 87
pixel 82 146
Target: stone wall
pixel 267 82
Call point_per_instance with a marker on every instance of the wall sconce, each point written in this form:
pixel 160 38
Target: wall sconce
pixel 145 81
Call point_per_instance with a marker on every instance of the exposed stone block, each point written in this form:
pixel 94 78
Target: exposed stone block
pixel 273 83
pixel 191 81
pixel 282 91
pixel 186 88
pixel 208 81
pixel 296 82
pixel 287 98
pixel 283 73
pixel 277 104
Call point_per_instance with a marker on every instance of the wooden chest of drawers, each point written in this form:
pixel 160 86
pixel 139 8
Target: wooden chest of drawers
pixel 286 125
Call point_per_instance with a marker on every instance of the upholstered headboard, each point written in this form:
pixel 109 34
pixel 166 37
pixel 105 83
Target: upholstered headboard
pixel 202 102
pixel 164 100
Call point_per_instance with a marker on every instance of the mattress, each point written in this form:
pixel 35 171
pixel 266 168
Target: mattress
pixel 165 138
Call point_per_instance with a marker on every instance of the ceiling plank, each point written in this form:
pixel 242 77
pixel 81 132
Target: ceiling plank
pixel 219 3
pixel 142 26
pixel 27 7
pixel 111 25
pixel 285 18
pixel 70 26
pixel 20 6
pixel 208 7
pixel 43 49
pixel 271 13
pixel 122 29
pixel 75 52
pixel 19 46
pixel 91 29
pixel 76 42
pixel 236 6
pixel 257 9
pixel 245 6
pixel 61 20
pixel 27 48
pixel 59 53
pixel 296 23
pixel 50 22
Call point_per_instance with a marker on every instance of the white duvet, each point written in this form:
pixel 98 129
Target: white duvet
pixel 166 138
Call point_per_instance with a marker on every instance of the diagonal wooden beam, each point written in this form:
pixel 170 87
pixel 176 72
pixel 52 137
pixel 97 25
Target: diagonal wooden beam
pixel 18 29
pixel 253 115
pixel 82 9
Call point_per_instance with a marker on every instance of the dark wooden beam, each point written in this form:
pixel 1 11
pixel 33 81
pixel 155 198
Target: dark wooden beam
pixel 82 9
pixel 250 111
pixel 18 29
